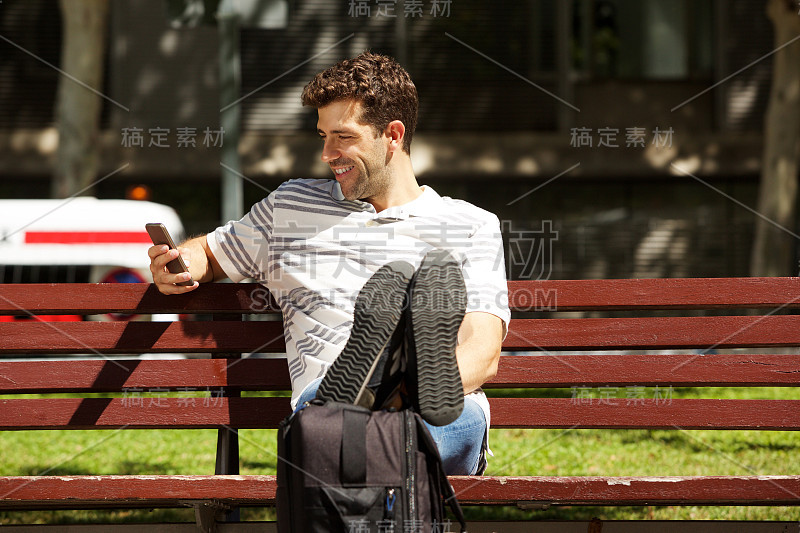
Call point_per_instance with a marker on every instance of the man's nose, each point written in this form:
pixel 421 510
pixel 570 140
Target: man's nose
pixel 329 152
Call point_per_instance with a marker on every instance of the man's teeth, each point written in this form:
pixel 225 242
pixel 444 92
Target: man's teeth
pixel 342 170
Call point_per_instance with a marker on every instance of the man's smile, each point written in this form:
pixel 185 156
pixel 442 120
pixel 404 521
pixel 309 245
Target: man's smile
pixel 342 170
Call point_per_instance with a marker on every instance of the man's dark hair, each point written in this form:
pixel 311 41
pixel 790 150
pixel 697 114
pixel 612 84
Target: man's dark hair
pixel 383 87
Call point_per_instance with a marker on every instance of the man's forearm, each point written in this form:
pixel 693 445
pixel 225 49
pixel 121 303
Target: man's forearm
pixel 478 350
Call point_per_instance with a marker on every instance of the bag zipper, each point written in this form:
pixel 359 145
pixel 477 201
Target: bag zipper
pixel 391 498
pixel 411 461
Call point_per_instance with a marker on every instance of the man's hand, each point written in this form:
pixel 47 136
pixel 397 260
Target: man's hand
pixel 203 266
pixel 165 281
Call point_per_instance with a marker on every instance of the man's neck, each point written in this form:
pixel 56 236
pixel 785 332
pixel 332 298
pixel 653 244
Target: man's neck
pixel 403 190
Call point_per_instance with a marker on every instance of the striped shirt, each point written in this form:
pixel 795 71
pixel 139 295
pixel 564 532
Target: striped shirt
pixel 314 250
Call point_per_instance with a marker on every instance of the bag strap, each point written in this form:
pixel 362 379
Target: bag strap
pixel 449 496
pixel 353 454
pixel 445 488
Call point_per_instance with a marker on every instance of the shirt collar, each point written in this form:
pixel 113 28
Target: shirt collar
pixel 426 203
pixel 336 191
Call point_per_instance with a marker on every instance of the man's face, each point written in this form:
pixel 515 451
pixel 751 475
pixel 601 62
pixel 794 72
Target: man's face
pixel 356 155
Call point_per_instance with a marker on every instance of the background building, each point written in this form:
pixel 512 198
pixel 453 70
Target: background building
pixel 609 135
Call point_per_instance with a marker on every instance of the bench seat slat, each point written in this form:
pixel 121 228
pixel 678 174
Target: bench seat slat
pixel 595 490
pixel 246 413
pixel 514 371
pixel 22 492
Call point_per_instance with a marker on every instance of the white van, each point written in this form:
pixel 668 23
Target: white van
pixel 79 240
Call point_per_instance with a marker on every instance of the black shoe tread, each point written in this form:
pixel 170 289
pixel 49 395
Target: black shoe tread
pixel 378 309
pixel 438 305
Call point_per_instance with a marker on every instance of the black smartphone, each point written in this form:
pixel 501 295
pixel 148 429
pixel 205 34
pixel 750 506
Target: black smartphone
pixel 159 235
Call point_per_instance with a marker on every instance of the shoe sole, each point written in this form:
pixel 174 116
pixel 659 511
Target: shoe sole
pixel 438 304
pixel 378 309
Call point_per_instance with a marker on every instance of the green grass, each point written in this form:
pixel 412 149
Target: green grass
pixel 517 452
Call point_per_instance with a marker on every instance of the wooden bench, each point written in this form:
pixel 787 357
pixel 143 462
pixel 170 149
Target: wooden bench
pixel 557 325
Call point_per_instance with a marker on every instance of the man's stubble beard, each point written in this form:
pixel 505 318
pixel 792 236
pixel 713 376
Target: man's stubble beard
pixel 370 184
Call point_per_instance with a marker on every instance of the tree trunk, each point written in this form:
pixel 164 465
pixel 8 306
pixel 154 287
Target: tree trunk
pixel 78 108
pixel 773 248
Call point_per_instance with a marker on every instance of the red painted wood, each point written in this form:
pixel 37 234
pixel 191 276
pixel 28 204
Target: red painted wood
pixel 106 338
pixel 153 410
pixel 654 333
pixel 645 412
pixel 140 298
pixel 662 369
pixel 117 375
pixel 74 492
pixel 524 334
pixel 595 490
pixel 142 411
pixel 514 371
pixel 139 410
pixel 562 295
pixel 21 492
pixel 667 293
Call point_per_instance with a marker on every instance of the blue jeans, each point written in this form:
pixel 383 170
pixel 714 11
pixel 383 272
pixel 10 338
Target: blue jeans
pixel 460 443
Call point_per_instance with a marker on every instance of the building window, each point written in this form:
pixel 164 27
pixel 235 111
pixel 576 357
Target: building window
pixel 650 39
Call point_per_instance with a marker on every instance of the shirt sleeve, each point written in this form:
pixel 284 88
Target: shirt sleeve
pixel 485 272
pixel 242 246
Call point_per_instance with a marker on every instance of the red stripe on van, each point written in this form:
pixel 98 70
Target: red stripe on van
pixel 87 237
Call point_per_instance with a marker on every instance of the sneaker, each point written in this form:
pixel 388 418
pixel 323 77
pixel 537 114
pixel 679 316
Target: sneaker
pixel 438 303
pixel 378 310
pixel 388 379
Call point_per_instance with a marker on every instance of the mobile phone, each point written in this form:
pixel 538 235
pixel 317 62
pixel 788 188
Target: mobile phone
pixel 159 235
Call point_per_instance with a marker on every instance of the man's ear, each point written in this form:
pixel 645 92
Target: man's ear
pixel 395 132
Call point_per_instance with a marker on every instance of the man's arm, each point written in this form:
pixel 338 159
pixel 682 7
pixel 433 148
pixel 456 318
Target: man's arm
pixel 480 338
pixel 203 266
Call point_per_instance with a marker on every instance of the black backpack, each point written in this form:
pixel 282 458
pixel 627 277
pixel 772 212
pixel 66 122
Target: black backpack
pixel 343 468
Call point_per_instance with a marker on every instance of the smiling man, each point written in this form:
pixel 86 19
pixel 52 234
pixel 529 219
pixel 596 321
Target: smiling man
pixel 369 164
pixel 390 293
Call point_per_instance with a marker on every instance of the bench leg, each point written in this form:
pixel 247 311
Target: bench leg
pixel 228 463
pixel 207 514
pixel 227 439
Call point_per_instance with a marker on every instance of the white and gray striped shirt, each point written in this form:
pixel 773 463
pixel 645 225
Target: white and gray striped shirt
pixel 314 250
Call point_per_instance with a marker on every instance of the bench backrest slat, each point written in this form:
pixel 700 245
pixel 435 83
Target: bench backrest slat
pixel 524 334
pixel 648 412
pixel 122 375
pixel 106 338
pixel 664 293
pixel 566 295
pixel 702 332
pixel 515 371
pixel 136 412
pixel 144 298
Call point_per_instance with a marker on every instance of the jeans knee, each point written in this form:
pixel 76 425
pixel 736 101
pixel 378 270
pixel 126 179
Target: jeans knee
pixel 461 442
